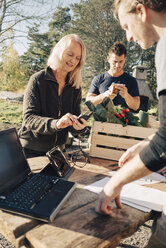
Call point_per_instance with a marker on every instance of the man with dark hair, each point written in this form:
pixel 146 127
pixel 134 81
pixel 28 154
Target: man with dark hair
pixel 116 84
pixel 145 23
pixel 118 48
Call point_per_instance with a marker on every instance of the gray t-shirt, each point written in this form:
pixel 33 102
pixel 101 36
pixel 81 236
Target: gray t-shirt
pixel 154 154
pixel 160 61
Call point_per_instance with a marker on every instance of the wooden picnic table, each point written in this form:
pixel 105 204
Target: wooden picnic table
pixel 77 224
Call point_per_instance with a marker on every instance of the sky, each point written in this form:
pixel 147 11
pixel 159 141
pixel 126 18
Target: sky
pixel 21 43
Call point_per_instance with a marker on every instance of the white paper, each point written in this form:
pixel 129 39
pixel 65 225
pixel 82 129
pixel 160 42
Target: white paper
pixel 155 177
pixel 97 186
pixel 144 196
pixel 150 179
pixel 135 195
pixel 142 208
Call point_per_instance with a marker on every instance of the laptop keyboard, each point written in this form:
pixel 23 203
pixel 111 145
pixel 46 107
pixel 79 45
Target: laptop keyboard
pixel 31 192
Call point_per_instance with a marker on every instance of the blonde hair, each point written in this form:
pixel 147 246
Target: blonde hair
pixel 55 57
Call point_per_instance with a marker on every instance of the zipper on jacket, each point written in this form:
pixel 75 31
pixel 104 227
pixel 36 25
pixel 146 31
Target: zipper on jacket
pixel 60 106
pixel 59 111
pixel 59 114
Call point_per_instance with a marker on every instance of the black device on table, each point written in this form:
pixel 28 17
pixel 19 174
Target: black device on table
pixel 22 192
pixel 59 164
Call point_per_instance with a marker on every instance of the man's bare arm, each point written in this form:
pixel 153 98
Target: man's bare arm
pixel 133 101
pixel 96 99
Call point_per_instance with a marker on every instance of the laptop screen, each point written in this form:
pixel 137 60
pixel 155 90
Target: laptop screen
pixel 13 164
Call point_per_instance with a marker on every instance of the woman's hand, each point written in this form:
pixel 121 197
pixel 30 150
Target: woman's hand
pixel 79 126
pixel 65 121
pixel 71 120
pixel 131 152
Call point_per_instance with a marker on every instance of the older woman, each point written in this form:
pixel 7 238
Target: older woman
pixel 52 99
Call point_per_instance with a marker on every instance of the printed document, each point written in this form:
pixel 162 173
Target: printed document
pixel 135 195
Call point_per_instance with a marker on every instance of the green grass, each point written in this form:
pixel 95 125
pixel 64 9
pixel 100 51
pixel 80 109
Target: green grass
pixel 10 112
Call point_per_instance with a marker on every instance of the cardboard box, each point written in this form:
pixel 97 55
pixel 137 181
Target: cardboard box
pixel 110 140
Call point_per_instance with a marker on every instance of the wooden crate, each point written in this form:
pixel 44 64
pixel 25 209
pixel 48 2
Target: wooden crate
pixel 152 122
pixel 110 140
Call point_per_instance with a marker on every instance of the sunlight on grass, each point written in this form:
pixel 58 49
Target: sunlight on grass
pixel 11 112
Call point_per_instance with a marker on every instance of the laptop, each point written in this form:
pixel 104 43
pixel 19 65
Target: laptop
pixel 59 164
pixel 34 195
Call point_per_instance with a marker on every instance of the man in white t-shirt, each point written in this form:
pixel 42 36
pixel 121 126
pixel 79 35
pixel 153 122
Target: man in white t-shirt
pixel 145 23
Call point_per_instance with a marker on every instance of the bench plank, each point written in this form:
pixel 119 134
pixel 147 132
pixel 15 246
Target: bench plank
pixel 85 228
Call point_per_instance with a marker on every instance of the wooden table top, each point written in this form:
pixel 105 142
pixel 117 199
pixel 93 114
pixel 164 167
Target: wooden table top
pixel 77 224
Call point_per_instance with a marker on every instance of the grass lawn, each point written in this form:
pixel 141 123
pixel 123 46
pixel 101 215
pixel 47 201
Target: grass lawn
pixel 10 114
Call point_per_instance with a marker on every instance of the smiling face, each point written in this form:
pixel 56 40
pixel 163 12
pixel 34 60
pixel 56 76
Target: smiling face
pixel 116 64
pixel 71 57
pixel 136 25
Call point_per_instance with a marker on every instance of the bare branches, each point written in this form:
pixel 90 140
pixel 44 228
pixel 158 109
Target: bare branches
pixel 14 12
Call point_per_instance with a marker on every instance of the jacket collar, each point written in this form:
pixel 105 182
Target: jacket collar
pixel 50 75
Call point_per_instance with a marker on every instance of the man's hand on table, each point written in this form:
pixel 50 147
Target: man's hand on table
pixel 108 194
pixel 110 191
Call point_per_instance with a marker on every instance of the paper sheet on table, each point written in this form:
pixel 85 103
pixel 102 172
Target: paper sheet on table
pixel 150 179
pixel 135 194
pixel 142 208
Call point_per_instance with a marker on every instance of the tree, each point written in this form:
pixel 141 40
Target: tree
pixel 12 13
pixel 40 44
pixel 12 73
pixel 36 56
pixel 137 56
pixel 94 21
pixel 148 58
pixel 60 23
